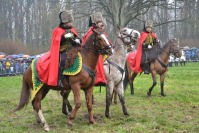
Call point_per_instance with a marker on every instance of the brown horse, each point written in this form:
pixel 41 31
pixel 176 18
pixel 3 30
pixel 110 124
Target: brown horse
pixel 96 44
pixel 157 66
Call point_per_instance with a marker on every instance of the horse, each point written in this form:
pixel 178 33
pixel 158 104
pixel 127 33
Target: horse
pixel 114 67
pixel 96 44
pixel 157 66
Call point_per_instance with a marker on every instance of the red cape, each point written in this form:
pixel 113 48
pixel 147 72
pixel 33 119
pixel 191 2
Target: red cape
pixel 134 58
pixel 100 77
pixel 47 65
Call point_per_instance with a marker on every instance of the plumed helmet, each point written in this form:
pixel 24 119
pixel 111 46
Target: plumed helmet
pixel 96 17
pixel 66 16
pixel 149 24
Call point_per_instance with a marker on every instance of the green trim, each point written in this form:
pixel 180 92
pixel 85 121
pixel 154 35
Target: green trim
pixel 37 84
pixel 76 67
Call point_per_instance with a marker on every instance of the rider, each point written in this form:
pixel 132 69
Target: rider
pixel 51 66
pixel 96 20
pixel 147 40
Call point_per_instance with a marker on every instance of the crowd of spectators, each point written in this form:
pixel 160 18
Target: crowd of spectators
pixel 10 66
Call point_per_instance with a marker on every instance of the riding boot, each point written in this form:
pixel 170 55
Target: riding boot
pixel 61 69
pixel 60 78
pixel 146 67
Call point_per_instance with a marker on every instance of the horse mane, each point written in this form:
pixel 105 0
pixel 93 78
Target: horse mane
pixel 160 50
pixel 117 44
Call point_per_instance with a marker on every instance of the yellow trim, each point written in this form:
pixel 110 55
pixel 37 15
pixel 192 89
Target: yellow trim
pixel 34 90
pixel 105 57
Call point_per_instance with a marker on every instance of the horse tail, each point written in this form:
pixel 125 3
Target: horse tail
pixel 126 76
pixel 25 95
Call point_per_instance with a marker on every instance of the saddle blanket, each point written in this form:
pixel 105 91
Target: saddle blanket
pixel 72 70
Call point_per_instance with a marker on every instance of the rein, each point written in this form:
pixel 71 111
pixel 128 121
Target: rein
pixel 168 53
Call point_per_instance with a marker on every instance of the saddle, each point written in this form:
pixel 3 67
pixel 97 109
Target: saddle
pixel 149 55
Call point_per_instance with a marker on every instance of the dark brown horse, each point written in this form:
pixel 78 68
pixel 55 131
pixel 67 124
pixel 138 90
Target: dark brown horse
pixel 157 66
pixel 96 44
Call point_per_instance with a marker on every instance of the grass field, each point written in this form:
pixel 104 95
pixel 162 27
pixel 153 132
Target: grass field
pixel 178 112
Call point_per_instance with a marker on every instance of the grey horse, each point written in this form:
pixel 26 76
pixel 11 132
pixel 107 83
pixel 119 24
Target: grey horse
pixel 114 67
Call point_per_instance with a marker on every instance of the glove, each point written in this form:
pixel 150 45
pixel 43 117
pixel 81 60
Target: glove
pixel 77 41
pixel 149 46
pixel 68 35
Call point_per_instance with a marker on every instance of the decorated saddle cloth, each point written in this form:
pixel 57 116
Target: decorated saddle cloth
pixel 72 70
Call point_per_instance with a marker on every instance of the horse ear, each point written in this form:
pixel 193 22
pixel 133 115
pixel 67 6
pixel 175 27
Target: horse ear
pixel 96 32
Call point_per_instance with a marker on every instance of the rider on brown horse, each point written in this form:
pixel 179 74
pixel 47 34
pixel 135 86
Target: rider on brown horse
pixel 96 20
pixel 51 65
pixel 146 41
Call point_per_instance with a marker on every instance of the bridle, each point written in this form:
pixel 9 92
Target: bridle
pixel 171 50
pixel 99 49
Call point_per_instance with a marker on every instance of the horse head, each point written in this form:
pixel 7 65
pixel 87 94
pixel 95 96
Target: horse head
pixel 129 36
pixel 101 42
pixel 174 48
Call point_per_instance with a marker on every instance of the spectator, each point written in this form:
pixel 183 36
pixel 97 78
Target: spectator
pixel 16 67
pixel 1 67
pixel 8 67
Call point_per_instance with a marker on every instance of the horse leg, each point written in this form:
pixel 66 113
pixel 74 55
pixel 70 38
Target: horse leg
pixel 92 99
pixel 162 83
pixel 36 103
pixel 154 83
pixel 120 92
pixel 114 96
pixel 88 96
pixel 133 75
pixel 77 99
pixel 109 95
pixel 65 102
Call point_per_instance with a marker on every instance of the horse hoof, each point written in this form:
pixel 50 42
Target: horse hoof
pixel 46 128
pixel 92 122
pixel 163 95
pixel 38 121
pixel 70 124
pixel 127 114
pixel 107 116
pixel 148 94
pixel 65 113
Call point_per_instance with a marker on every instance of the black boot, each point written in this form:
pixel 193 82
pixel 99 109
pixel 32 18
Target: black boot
pixel 146 68
pixel 146 72
pixel 60 78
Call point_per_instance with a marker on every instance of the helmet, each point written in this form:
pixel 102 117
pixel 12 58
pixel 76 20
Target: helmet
pixel 66 16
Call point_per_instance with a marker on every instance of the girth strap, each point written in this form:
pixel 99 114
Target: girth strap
pixel 117 66
pixel 91 73
pixel 162 64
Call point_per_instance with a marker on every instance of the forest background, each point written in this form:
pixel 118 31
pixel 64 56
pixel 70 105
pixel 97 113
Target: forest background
pixel 26 25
